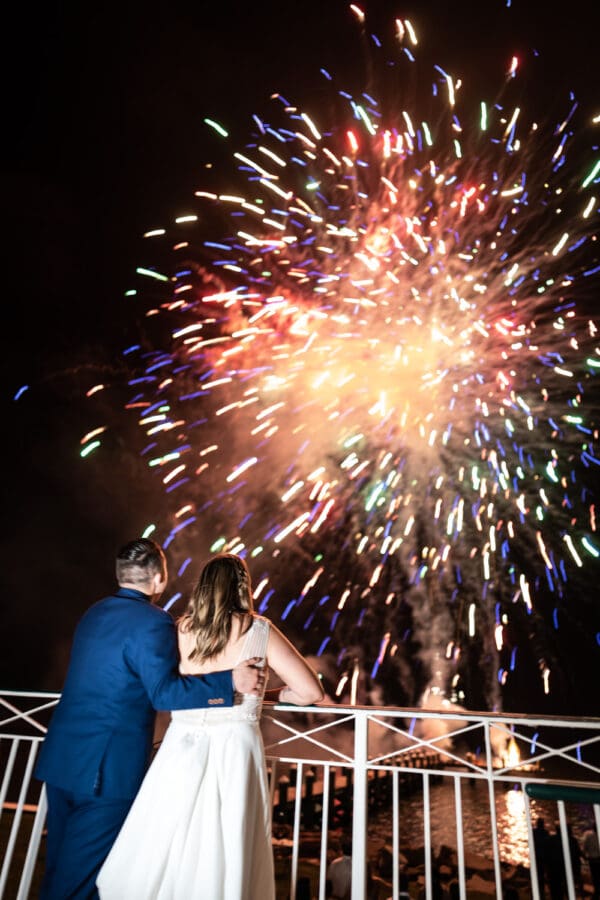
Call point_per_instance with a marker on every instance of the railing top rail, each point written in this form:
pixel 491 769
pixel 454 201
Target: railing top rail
pixel 11 693
pixel 444 714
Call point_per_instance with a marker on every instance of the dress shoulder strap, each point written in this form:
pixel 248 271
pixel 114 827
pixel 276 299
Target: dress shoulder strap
pixel 257 638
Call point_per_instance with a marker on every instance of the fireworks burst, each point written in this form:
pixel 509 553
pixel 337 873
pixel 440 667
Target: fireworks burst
pixel 376 381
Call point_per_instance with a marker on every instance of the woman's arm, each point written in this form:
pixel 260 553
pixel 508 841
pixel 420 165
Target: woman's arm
pixel 301 683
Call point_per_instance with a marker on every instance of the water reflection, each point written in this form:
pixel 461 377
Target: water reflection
pixel 512 826
pixel 476 823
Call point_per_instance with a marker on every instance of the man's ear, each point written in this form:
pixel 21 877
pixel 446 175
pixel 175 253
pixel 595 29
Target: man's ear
pixel 159 583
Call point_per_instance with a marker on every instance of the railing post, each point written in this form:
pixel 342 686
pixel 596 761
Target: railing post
pixel 296 831
pixel 568 862
pixel 359 807
pixel 324 830
pixel 395 836
pixel 34 846
pixel 533 872
pixel 460 843
pixel 8 770
pixel 489 759
pixel 427 838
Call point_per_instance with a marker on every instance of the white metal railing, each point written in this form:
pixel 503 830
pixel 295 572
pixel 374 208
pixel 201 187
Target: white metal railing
pixel 423 782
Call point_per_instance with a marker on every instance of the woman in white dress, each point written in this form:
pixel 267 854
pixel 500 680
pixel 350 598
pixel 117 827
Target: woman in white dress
pixel 200 825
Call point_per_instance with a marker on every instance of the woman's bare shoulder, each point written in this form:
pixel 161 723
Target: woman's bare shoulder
pixel 185 635
pixel 184 624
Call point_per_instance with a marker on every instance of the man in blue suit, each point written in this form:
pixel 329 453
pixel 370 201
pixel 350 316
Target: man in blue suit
pixel 123 667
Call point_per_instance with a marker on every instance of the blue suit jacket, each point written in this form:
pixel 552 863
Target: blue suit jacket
pixel 123 667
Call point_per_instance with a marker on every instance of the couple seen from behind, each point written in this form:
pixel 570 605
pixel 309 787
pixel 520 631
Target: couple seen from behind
pixel 196 823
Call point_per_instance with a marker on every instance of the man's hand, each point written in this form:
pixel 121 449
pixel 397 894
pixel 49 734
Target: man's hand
pixel 249 676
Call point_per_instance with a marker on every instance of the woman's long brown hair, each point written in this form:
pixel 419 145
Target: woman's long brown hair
pixel 222 590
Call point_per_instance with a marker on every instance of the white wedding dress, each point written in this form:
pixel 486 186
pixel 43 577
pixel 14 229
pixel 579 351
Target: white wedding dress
pixel 199 828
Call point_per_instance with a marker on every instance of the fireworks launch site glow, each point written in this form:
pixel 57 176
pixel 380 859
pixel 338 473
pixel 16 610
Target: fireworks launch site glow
pixel 375 376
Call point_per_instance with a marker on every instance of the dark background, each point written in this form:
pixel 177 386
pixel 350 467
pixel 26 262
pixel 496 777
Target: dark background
pixel 105 140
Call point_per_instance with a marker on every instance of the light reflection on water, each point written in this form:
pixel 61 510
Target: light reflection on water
pixel 477 831
pixel 512 825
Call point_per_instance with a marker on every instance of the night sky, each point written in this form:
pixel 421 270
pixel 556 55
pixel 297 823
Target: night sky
pixel 106 140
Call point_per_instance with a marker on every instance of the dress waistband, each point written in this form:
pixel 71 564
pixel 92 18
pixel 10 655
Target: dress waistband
pixel 202 717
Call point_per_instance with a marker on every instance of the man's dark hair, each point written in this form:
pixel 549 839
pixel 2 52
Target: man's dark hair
pixel 139 561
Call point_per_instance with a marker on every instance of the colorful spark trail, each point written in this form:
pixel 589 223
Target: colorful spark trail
pixel 378 384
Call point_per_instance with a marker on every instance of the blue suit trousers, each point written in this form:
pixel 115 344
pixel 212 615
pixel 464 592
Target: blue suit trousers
pixel 81 829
